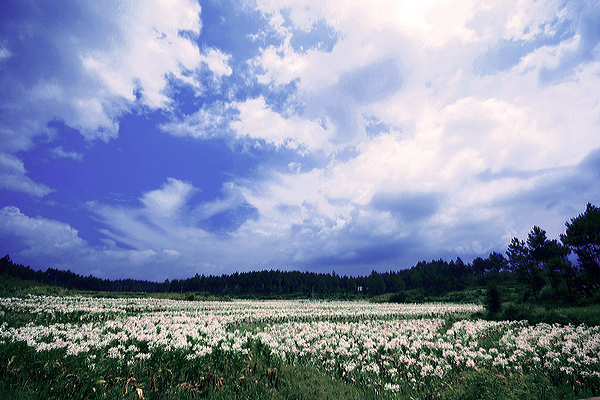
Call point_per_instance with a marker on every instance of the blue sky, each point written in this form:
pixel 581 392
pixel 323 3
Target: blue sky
pixel 155 140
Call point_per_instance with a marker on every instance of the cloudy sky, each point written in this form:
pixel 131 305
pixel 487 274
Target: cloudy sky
pixel 160 139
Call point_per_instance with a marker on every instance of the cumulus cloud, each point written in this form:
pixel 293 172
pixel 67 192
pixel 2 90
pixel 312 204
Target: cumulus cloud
pixel 149 48
pixel 98 61
pixel 88 64
pixel 210 121
pixel 583 19
pixel 217 62
pixel 258 121
pixel 39 236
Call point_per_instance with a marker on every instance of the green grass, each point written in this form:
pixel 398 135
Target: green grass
pixel 16 287
pixel 486 385
pixel 27 375
pixel 471 295
pixel 535 313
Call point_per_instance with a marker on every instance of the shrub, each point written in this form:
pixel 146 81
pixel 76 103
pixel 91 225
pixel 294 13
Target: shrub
pixel 492 303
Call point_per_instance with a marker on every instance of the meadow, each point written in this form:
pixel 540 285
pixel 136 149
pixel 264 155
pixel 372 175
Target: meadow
pixel 76 347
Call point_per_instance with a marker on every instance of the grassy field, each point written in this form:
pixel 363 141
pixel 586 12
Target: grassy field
pixel 56 344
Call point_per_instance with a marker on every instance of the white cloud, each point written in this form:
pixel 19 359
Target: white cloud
pixel 168 201
pixel 167 224
pixel 529 19
pixel 481 141
pixel 60 152
pixel 59 246
pixel 217 61
pixel 88 66
pixel 161 223
pixel 478 141
pixel 150 49
pixel 207 122
pixel 13 176
pixel 4 53
pixel 43 237
pixel 95 62
pixel 256 120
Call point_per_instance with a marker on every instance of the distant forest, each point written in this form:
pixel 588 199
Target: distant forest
pixel 435 277
pixel 543 268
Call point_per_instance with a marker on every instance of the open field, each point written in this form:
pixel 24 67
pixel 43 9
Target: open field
pixel 84 347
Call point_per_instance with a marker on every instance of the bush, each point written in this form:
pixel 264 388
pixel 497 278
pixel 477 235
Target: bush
pixel 492 303
pixel 399 297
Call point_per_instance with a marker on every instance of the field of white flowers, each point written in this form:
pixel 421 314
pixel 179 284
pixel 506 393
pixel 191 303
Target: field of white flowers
pixel 394 346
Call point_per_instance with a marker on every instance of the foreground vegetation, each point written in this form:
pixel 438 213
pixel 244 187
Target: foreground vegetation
pixel 78 347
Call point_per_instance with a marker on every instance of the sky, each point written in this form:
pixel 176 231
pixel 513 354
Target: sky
pixel 154 139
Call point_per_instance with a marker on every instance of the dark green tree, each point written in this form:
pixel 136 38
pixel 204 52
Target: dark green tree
pixel 493 301
pixel 522 263
pixel 537 257
pixel 558 267
pixel 479 266
pixel 538 251
pixel 376 283
pixel 5 265
pixel 496 262
pixel 583 237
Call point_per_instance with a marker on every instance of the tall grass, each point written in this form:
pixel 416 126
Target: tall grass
pixel 25 374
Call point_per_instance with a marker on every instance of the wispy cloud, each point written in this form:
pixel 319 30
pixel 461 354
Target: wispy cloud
pixel 13 176
pixel 59 152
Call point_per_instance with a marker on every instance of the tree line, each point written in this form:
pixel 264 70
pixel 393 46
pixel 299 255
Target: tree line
pixel 542 264
pixel 545 268
pixel 435 277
